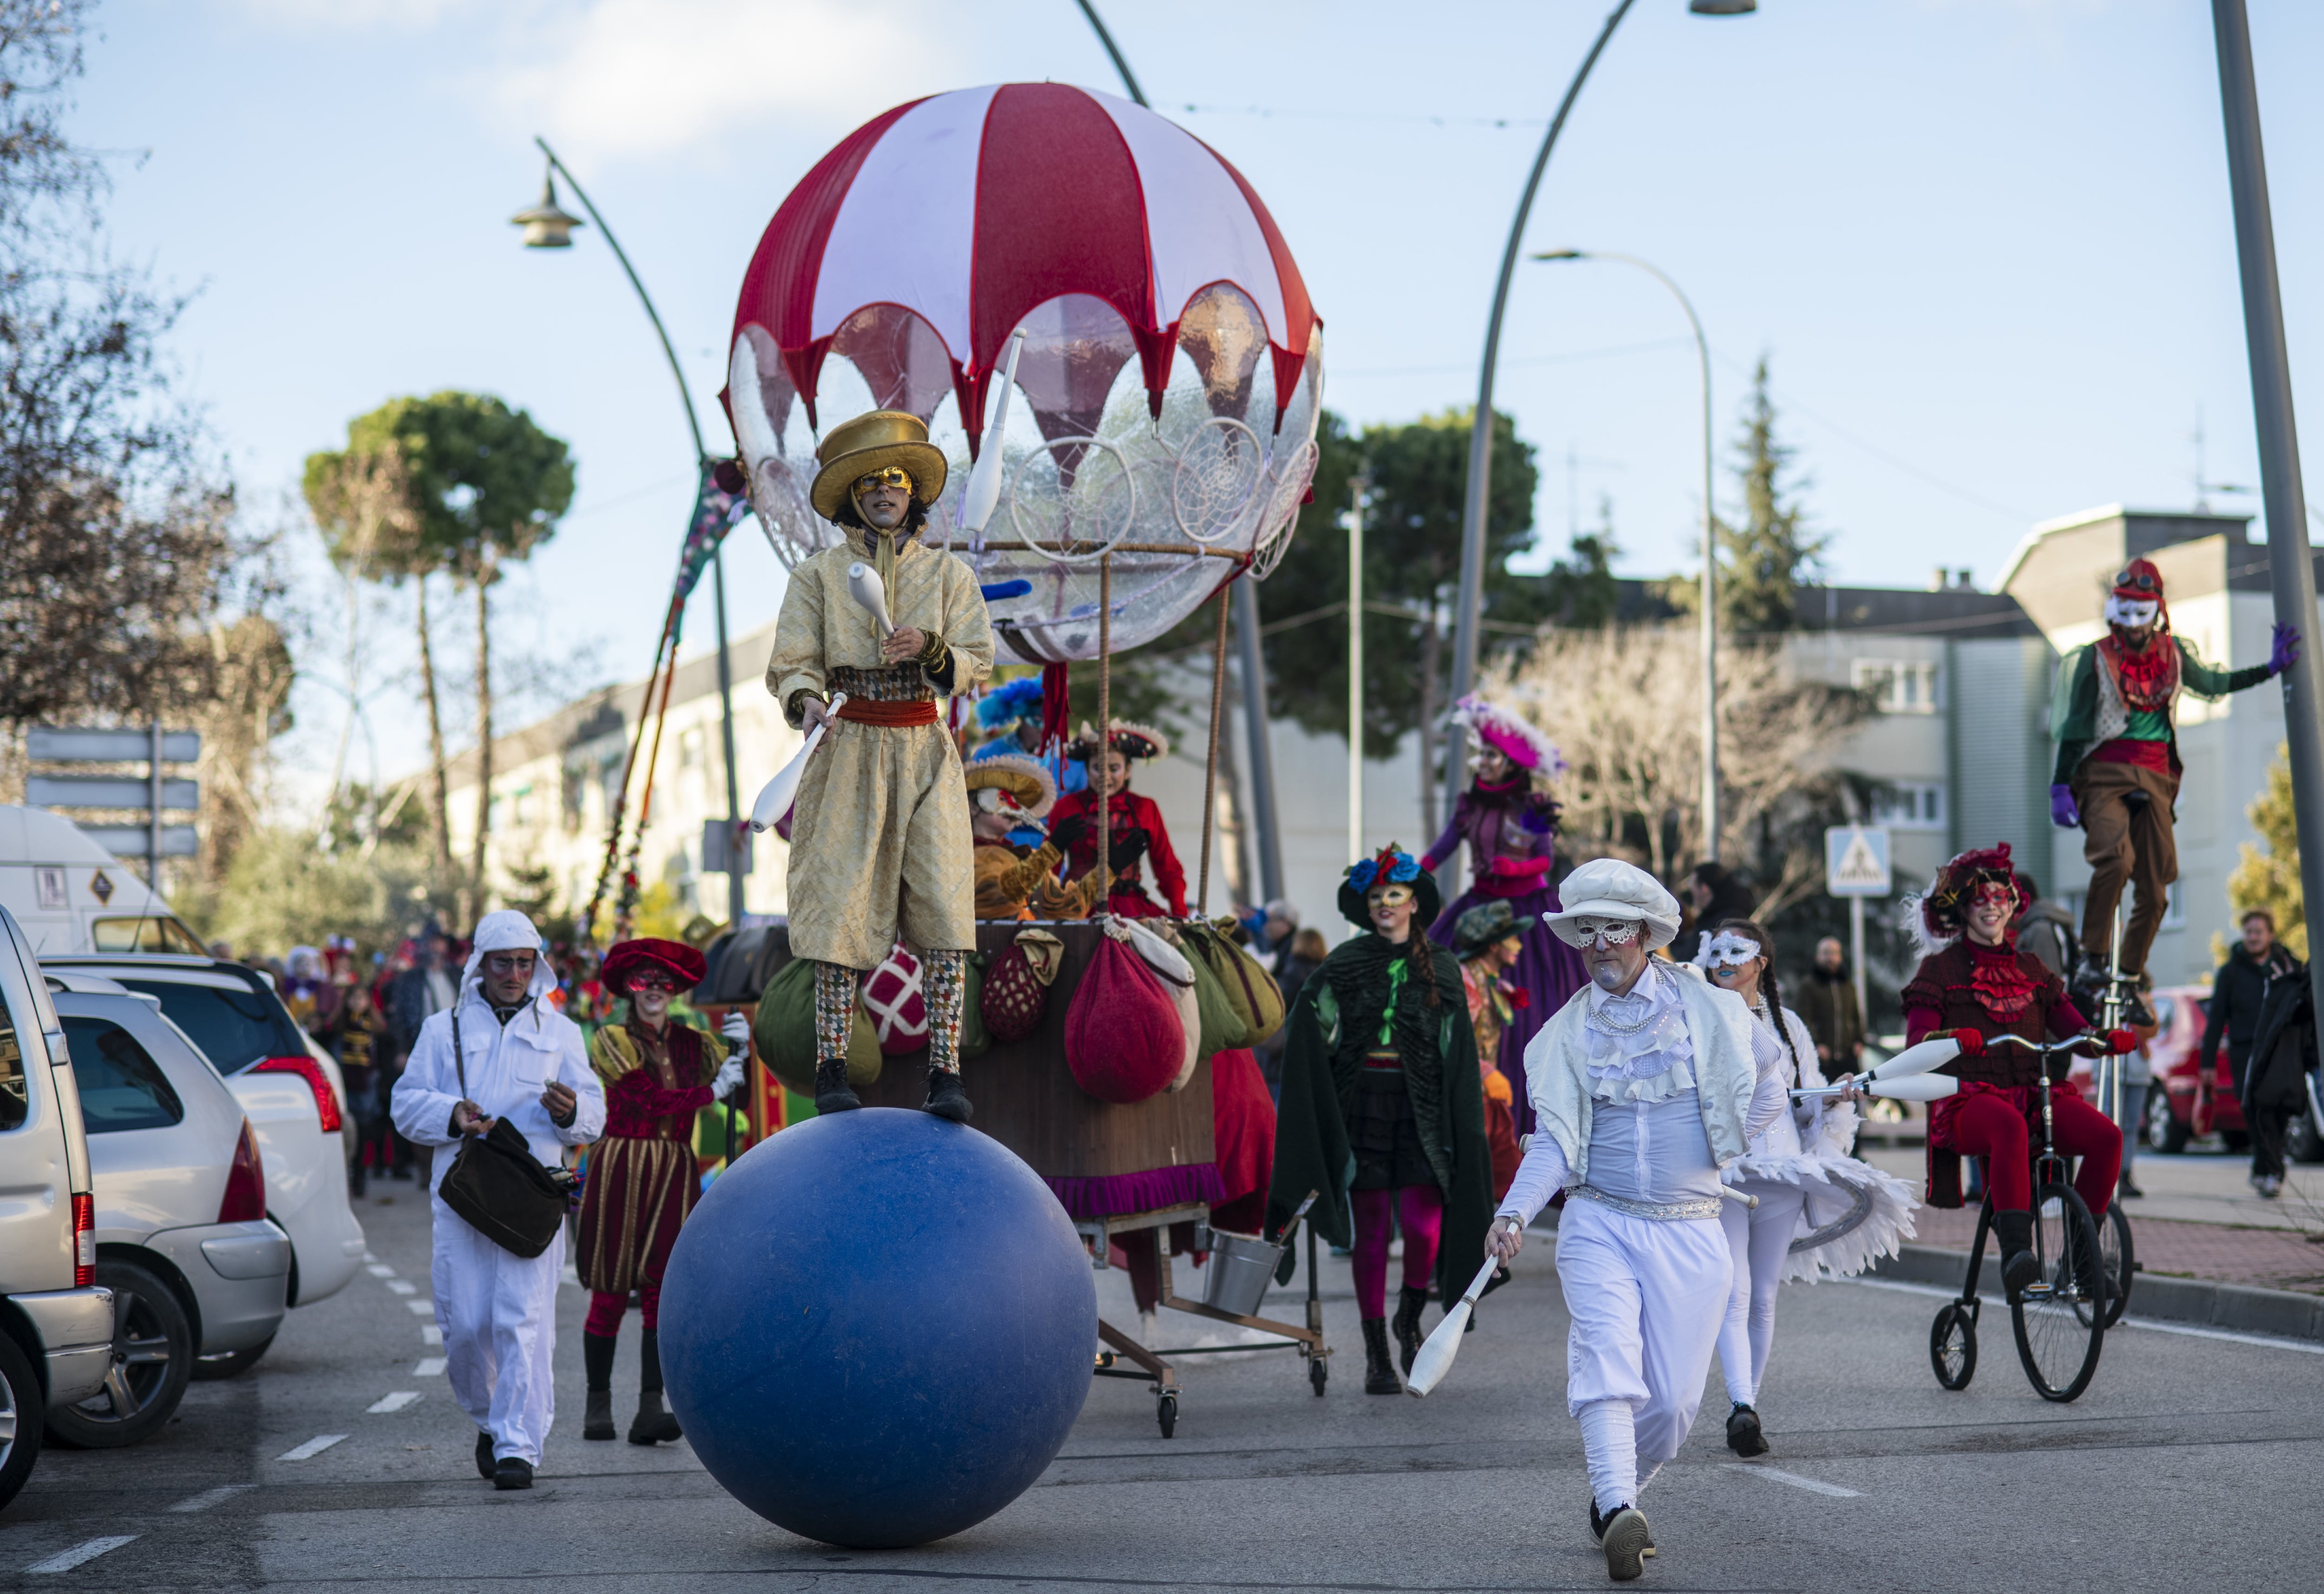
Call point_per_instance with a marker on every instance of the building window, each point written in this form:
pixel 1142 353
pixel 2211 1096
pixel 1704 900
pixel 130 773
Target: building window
pixel 1899 685
pixel 1911 804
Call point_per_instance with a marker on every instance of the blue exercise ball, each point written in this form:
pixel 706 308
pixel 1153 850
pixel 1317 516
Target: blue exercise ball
pixel 877 1328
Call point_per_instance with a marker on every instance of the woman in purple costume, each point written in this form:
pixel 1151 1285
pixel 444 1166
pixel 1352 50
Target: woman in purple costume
pixel 1511 830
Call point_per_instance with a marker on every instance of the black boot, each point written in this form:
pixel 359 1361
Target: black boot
pixel 1743 1434
pixel 653 1424
pixel 597 1360
pixel 2019 1267
pixel 945 1098
pixel 483 1455
pixel 1407 1325
pixel 833 1093
pixel 1380 1373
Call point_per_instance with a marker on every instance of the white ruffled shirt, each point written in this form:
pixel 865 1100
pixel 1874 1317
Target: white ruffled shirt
pixel 1646 1139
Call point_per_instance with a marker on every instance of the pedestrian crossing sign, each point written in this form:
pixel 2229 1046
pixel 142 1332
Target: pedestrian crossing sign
pixel 1856 859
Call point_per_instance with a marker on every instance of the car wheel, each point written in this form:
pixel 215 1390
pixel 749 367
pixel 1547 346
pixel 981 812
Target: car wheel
pixel 229 1364
pixel 20 1399
pixel 2165 1132
pixel 152 1359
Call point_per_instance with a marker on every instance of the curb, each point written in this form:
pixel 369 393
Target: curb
pixel 2240 1307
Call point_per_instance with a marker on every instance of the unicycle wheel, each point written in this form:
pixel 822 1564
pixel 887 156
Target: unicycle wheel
pixel 1953 1345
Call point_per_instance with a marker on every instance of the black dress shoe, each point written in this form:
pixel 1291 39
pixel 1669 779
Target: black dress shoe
pixel 945 1099
pixel 1743 1436
pixel 483 1455
pixel 514 1473
pixel 833 1093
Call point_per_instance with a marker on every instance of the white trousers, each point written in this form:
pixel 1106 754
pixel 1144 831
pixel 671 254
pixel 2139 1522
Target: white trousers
pixel 1647 1299
pixel 498 1312
pixel 1759 1240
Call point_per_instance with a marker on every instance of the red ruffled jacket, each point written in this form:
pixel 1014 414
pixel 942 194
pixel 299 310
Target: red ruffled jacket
pixel 1127 811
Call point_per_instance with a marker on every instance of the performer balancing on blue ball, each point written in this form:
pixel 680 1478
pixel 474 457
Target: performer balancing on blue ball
pixel 880 844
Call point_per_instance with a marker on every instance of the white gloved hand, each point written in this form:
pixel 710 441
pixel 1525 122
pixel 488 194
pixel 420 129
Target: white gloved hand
pixel 736 1028
pixel 728 1081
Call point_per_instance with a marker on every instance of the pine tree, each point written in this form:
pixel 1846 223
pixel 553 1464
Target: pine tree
pixel 2271 879
pixel 1772 553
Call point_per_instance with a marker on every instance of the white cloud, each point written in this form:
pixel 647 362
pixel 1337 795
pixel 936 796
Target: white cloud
pixel 651 77
pixel 409 15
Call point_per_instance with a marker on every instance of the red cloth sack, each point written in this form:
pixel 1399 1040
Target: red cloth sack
pixel 894 1003
pixel 1123 1040
pixel 1016 995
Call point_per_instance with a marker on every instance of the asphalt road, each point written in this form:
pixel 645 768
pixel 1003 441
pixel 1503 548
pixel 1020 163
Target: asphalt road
pixel 2192 1463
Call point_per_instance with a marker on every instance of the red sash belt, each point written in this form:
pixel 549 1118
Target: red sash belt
pixel 915 711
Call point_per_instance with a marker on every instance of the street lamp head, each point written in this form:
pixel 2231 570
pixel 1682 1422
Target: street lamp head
pixel 547 225
pixel 1561 255
pixel 1722 7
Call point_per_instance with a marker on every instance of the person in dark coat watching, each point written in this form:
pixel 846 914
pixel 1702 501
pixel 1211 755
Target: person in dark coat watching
pixel 1713 894
pixel 1828 1004
pixel 2237 991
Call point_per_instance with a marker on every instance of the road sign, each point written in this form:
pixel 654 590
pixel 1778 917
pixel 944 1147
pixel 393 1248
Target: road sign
pixel 1856 859
pixel 56 744
pixel 108 791
pixel 136 841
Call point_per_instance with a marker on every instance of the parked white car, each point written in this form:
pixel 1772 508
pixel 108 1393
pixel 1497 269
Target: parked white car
pixel 289 1089
pixel 183 1241
pixel 56 1321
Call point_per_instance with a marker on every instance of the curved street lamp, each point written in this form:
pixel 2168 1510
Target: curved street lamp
pixel 1481 432
pixel 1710 564
pixel 548 226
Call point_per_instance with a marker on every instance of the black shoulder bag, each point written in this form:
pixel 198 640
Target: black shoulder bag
pixel 497 1188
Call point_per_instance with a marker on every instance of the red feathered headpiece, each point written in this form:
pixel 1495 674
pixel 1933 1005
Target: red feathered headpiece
pixel 680 961
pixel 1944 906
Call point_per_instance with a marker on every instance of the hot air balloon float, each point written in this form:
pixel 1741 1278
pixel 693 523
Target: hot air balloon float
pixel 1103 330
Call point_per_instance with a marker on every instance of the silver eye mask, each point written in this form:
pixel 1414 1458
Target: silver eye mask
pixel 1728 949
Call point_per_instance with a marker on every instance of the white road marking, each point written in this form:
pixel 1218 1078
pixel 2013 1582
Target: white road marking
pixel 2265 1341
pixel 312 1448
pixel 210 1497
pixel 393 1403
pixel 422 1308
pixel 369 1258
pixel 431 1335
pixel 1813 1486
pixel 401 1287
pixel 87 1550
pixel 431 1367
pixel 380 1270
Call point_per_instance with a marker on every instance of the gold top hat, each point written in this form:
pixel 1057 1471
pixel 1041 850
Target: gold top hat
pixel 1020 777
pixel 855 448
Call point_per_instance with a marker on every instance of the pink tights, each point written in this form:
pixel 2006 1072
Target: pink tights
pixel 1421 1210
pixel 606 1307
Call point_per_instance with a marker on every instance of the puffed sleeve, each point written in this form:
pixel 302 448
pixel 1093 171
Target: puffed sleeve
pixel 968 629
pixel 589 1094
pixel 796 664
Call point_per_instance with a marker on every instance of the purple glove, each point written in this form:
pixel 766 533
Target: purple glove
pixel 2285 651
pixel 2062 812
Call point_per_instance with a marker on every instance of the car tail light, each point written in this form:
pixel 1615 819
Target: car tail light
pixel 327 1100
pixel 245 1183
pixel 84 1210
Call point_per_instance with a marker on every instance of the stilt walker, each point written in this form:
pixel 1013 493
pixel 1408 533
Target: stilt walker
pixel 880 847
pixel 1820 1211
pixel 1645 1085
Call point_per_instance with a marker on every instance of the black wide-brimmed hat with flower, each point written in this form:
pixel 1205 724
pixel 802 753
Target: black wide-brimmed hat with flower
pixel 1396 867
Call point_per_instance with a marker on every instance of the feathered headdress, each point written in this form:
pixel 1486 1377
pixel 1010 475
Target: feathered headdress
pixel 1936 917
pixel 1497 728
pixel 1009 703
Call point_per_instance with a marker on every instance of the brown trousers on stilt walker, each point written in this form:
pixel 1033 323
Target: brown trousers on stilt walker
pixel 2126 840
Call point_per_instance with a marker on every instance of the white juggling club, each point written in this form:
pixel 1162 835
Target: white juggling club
pixel 776 799
pixel 983 493
pixel 1919 1087
pixel 1930 1053
pixel 863 586
pixel 1435 1355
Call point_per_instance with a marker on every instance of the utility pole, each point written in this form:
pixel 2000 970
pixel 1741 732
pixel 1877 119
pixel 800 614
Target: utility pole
pixel 2290 571
pixel 1358 490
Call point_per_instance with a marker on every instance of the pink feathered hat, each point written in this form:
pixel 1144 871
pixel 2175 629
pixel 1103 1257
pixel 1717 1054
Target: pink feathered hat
pixel 1496 727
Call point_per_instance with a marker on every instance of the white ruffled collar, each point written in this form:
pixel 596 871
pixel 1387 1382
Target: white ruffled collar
pixel 1654 1060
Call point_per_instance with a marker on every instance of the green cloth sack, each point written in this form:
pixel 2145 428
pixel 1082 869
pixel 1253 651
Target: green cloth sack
pixel 1223 1028
pixel 784 1030
pixel 1250 990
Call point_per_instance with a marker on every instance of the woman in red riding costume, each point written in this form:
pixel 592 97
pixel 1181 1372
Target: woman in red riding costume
pixel 1134 822
pixel 1975 984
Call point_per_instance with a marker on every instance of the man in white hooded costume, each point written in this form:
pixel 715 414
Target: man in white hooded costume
pixel 524 1061
pixel 1644 1085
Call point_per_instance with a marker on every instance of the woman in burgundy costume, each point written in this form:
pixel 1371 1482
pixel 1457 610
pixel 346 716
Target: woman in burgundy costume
pixel 659 1073
pixel 1134 822
pixel 1511 831
pixel 1975 985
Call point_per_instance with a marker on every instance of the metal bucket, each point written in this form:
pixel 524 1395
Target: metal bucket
pixel 1241 1269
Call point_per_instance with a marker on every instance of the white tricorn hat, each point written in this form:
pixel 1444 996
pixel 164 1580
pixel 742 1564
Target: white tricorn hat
pixel 1607 887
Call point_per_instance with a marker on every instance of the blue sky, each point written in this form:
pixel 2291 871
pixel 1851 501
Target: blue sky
pixel 1986 244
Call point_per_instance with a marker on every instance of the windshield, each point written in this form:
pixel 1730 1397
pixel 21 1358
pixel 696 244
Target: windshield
pixel 143 935
pixel 234 1028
